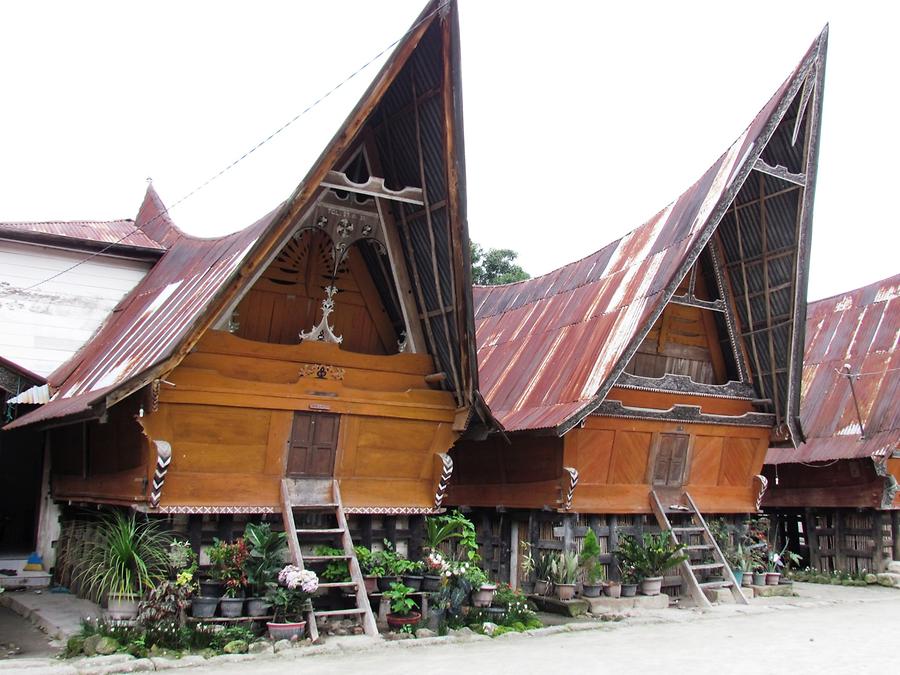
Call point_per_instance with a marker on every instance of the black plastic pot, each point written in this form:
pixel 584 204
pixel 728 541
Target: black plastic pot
pixel 211 589
pixel 204 608
pixel 384 583
pixel 413 581
pixel 431 583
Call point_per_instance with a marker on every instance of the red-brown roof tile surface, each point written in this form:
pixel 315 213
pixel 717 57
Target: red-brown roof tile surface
pixel 860 328
pixel 547 346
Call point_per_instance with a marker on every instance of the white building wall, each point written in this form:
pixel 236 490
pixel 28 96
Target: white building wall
pixel 43 327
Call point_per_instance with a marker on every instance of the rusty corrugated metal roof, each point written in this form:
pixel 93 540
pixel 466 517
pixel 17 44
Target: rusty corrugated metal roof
pixel 860 329
pixel 116 232
pixel 549 348
pixel 155 324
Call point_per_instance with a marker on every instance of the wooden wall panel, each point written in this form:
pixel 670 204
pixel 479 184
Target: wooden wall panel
pixel 630 455
pixel 737 460
pixel 391 448
pixel 706 462
pixel 594 453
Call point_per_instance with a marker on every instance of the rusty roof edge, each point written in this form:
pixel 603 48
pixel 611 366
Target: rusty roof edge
pixel 712 223
pixel 281 223
pixel 805 226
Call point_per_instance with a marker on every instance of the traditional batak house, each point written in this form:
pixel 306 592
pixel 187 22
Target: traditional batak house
pixel 652 376
pixel 321 360
pixel 44 320
pixel 836 496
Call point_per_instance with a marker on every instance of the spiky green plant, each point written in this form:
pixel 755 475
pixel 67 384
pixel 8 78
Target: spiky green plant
pixel 127 556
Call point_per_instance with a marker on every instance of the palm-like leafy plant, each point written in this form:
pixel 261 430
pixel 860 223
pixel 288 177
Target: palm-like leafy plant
pixel 128 556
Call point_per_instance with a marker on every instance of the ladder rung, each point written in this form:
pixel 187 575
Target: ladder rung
pixel 313 507
pixel 715 584
pixel 340 612
pixel 707 566
pixel 338 584
pixel 698 547
pixel 327 530
pixel 324 558
pixel 688 530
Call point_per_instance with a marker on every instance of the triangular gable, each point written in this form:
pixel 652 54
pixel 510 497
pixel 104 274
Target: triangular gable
pixel 550 348
pixel 190 287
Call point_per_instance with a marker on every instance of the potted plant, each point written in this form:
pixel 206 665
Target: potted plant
pixel 267 550
pixel 228 562
pixel 402 607
pixel 527 565
pixel 565 574
pixel 366 562
pixel 651 556
pixel 126 558
pixel 289 600
pixel 411 572
pixel 482 590
pixel 543 569
pixel 591 569
pixel 629 580
pixel 435 566
pixel 387 566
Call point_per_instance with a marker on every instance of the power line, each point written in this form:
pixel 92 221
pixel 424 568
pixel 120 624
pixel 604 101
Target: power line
pixel 230 166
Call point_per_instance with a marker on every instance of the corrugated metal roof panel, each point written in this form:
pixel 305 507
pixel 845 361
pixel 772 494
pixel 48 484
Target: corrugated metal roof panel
pixel 117 232
pixel 548 346
pixel 860 329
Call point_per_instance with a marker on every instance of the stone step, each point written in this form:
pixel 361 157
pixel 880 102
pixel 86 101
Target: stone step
pixel 894 567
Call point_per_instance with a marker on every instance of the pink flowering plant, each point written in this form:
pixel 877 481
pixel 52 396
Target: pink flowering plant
pixel 290 598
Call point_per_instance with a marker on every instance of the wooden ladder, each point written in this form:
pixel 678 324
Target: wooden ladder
pixel 321 496
pixel 683 534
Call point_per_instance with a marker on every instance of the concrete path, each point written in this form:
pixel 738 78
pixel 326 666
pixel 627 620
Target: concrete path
pixel 59 615
pixel 19 639
pixel 830 630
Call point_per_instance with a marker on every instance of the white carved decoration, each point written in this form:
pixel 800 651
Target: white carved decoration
pixel 324 331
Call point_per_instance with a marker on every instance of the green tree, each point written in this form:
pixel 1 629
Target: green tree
pixel 495 266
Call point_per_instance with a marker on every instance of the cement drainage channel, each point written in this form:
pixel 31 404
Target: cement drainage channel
pixel 810 597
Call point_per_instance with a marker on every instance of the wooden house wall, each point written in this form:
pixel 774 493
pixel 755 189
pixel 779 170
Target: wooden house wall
pixel 614 458
pixel 683 341
pixel 845 483
pixel 287 299
pixel 229 416
pixel 101 461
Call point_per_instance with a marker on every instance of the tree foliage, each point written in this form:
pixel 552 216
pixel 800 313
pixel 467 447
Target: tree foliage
pixel 495 266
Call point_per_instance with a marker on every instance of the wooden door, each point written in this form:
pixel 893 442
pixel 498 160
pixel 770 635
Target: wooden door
pixel 313 445
pixel 671 460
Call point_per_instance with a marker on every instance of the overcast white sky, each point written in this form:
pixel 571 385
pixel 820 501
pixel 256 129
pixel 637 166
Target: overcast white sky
pixel 582 119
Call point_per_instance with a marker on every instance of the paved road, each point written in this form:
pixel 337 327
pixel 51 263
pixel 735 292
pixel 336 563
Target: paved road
pixel 861 634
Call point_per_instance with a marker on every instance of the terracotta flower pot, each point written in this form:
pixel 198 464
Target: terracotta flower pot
pixel 772 578
pixel 371 584
pixel 541 587
pixel 591 590
pixel 122 606
pixel 396 622
pixel 612 589
pixel 482 597
pixel 286 631
pixel 565 591
pixel 629 590
pixel 747 580
pixel 651 586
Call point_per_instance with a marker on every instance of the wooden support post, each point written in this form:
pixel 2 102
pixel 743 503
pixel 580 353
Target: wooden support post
pixel 390 529
pixel 195 532
pixel 365 528
pixel 895 534
pixel 514 554
pixel 569 532
pixel 416 536
pixel 878 557
pixel 809 524
pixel 840 558
pixel 226 526
pixel 612 544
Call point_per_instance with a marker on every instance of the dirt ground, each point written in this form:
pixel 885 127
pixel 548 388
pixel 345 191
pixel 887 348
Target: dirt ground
pixel 826 629
pixel 19 639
